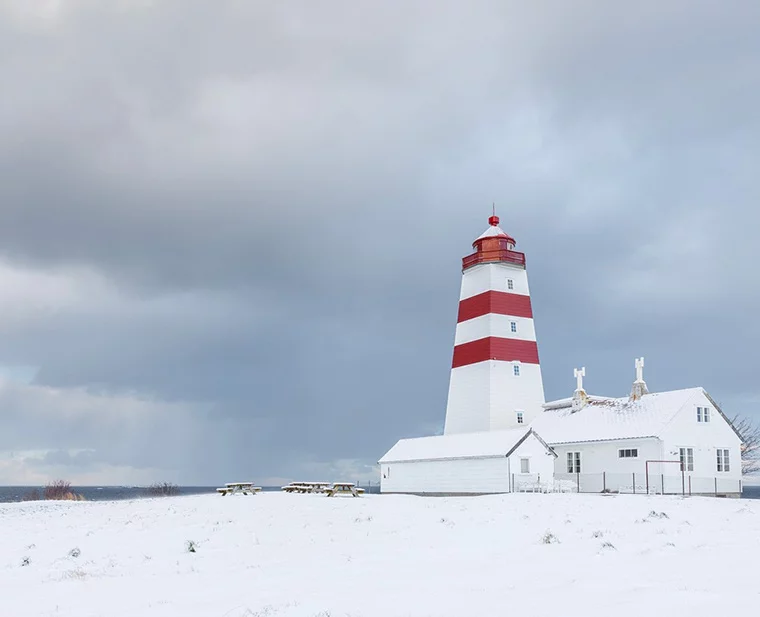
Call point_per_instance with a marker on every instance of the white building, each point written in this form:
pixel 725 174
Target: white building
pixel 467 463
pixel 672 442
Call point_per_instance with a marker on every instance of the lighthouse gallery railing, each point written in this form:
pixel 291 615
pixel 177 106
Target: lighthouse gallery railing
pixel 512 257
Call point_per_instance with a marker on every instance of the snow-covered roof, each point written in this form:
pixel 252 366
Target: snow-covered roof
pixel 492 232
pixel 463 445
pixel 605 419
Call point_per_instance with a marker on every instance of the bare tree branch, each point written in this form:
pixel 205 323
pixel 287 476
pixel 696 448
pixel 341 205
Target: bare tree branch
pixel 750 432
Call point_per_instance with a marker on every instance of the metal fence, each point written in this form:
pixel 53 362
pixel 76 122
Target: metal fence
pixel 633 483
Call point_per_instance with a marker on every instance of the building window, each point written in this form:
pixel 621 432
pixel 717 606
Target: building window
pixel 510 284
pixel 573 462
pixel 723 464
pixel 687 459
pixel 628 453
pixel 516 370
pixel 513 326
pixel 524 465
pixel 703 414
pixel 519 417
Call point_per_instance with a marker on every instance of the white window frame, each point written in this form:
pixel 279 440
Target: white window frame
pixel 524 465
pixel 703 414
pixel 723 460
pixel 631 453
pixel 520 417
pixel 510 284
pixel 573 462
pixel 686 458
pixel 516 370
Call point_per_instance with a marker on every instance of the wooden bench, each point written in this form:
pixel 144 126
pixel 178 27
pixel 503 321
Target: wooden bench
pixel 306 487
pixel 232 488
pixel 344 488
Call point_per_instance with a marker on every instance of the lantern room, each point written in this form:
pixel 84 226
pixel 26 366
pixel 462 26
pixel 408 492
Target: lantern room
pixel 494 246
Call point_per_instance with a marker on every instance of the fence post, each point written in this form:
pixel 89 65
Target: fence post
pixel 662 482
pixel 578 480
pixel 634 482
pixel 689 486
pixel 716 486
pixel 683 481
pixel 512 490
pixel 604 482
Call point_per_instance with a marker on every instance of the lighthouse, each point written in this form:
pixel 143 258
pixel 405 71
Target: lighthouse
pixel 495 379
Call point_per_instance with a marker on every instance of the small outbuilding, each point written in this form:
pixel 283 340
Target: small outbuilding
pixel 468 463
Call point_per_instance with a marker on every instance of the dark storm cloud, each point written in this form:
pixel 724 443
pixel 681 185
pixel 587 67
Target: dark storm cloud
pixel 278 197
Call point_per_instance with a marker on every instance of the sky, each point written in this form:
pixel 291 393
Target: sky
pixel 231 231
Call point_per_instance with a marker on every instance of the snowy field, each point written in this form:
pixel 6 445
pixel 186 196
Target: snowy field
pixel 381 556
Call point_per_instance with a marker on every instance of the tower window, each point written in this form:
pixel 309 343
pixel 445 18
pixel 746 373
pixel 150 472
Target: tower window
pixel 513 326
pixel 510 284
pixel 516 370
pixel 520 418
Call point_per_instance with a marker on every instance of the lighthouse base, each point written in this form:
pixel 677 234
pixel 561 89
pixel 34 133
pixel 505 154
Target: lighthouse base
pixel 493 395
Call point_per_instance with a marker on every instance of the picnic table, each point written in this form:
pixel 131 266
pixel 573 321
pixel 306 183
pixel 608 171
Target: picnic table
pixel 306 487
pixel 344 488
pixel 232 488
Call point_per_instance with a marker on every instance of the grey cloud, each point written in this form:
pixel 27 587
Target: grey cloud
pixel 281 195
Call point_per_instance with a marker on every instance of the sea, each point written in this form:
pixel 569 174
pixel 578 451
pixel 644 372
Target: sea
pixel 9 494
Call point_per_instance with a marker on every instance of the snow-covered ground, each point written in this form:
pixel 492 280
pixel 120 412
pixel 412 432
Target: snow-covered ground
pixel 309 555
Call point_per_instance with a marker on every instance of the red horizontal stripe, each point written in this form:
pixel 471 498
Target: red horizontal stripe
pixel 494 348
pixel 497 302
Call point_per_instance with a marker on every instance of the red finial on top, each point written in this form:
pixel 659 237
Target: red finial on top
pixel 493 219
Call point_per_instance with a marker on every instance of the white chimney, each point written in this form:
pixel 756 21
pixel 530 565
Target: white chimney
pixel 639 386
pixel 580 398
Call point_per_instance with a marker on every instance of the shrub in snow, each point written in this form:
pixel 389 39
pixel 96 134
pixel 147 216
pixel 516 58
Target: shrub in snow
pixel 75 552
pixel 654 514
pixel 26 561
pixel 608 545
pixel 61 490
pixel 597 534
pixel 549 538
pixel 190 546
pixel 162 489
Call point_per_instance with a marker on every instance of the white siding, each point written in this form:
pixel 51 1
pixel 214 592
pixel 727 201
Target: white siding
pixel 480 475
pixel 468 475
pixel 486 395
pixel 602 467
pixel 494 325
pixel 493 276
pixel 541 463
pixel 469 401
pixel 705 438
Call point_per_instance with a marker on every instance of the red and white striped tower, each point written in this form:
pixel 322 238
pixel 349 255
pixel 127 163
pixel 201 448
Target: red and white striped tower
pixel 495 375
